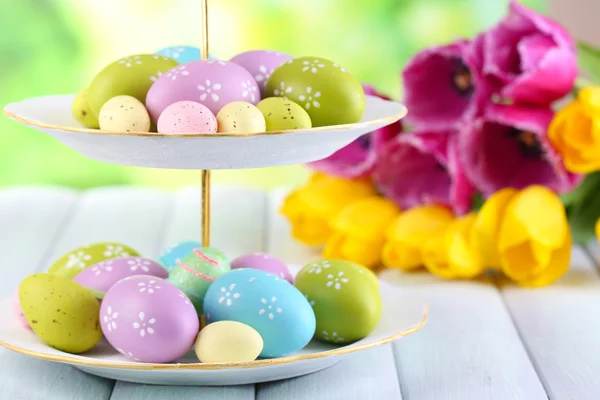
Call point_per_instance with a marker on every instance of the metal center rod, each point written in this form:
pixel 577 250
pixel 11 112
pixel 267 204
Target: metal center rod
pixel 205 173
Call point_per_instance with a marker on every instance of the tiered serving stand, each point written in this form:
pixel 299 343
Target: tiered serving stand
pixel 206 152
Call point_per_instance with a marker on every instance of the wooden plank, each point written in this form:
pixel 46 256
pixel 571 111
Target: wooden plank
pixel 560 328
pixel 129 391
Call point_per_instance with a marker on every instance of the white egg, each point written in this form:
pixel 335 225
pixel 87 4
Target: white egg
pixel 124 114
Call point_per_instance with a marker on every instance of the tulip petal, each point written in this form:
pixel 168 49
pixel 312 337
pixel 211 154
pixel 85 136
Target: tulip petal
pixel 343 247
pixel 435 256
pixel 400 255
pixel 367 219
pixel 462 257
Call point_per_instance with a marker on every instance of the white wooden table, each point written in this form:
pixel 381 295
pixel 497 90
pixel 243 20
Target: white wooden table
pixel 484 340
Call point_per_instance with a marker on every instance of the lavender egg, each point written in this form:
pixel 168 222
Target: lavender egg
pixel 264 262
pixel 105 274
pixel 148 319
pixel 211 83
pixel 261 64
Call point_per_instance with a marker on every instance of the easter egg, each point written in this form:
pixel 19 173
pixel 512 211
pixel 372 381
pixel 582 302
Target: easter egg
pixel 75 261
pixel 261 64
pixel 18 311
pixel 240 117
pixel 183 54
pixel 283 114
pixel 171 256
pixel 264 262
pixel 148 319
pixel 228 341
pixel 271 305
pixel 102 276
pixel 124 114
pixel 345 298
pixel 196 272
pixel 131 76
pixel 212 83
pixel 329 93
pixel 61 312
pixel 187 117
pixel 80 108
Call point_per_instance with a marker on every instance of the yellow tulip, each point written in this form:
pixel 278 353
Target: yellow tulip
pixel 534 239
pixel 410 231
pixel 597 229
pixel 359 231
pixel 311 208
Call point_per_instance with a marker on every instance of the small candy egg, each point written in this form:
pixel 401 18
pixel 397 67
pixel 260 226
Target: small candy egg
pixel 283 114
pixel 18 311
pixel 61 312
pixel 82 112
pixel 260 63
pixel 75 261
pixel 272 306
pixel 183 54
pixel 102 276
pixel 241 117
pixel 187 117
pixel 169 258
pixel 345 298
pixel 228 341
pixel 264 262
pixel 124 114
pixel 148 319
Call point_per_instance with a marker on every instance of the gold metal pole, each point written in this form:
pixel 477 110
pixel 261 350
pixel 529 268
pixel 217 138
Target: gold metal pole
pixel 205 173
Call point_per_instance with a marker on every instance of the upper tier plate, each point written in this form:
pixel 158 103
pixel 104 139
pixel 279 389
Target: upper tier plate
pixel 52 115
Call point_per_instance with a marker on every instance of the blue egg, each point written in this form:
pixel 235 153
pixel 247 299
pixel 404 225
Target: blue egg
pixel 183 54
pixel 169 258
pixel 267 303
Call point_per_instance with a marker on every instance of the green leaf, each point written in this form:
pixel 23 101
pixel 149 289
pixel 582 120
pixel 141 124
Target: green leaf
pixel 477 201
pixel 589 60
pixel 583 208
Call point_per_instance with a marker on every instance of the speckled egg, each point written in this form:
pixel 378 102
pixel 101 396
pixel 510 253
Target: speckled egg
pixel 148 319
pixel 228 341
pixel 283 114
pixel 345 298
pixel 187 117
pixel 82 112
pixel 241 117
pixel 271 305
pixel 124 114
pixel 183 54
pixel 102 276
pixel 328 92
pixel 75 261
pixel 196 272
pixel 261 64
pixel 264 262
pixel 131 76
pixel 212 83
pixel 18 311
pixel 170 257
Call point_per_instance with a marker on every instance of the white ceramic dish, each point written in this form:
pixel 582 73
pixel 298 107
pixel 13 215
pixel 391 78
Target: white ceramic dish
pixel 52 115
pixel 401 316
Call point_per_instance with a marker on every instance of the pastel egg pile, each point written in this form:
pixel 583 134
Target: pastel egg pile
pixel 194 298
pixel 174 92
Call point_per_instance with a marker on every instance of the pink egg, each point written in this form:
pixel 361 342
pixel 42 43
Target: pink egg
pixel 212 83
pixel 187 117
pixel 265 263
pixel 105 274
pixel 261 64
pixel 18 311
pixel 148 319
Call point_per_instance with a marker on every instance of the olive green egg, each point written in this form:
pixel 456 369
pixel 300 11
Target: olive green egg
pixel 345 298
pixel 61 312
pixel 131 76
pixel 75 261
pixel 283 114
pixel 328 92
pixel 82 112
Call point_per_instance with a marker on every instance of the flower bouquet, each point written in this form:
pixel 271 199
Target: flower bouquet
pixel 496 166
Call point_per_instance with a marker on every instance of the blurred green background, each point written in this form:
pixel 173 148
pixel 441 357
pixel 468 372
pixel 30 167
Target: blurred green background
pixel 57 46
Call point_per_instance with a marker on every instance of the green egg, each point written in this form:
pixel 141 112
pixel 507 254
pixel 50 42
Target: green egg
pixel 130 76
pixel 283 114
pixel 75 261
pixel 329 93
pixel 61 312
pixel 82 112
pixel 345 297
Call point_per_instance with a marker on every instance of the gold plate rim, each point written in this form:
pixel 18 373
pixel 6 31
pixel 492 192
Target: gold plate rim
pixel 387 120
pixel 219 366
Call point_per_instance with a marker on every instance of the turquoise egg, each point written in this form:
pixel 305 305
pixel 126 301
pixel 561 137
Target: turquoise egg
pixel 169 258
pixel 267 303
pixel 183 54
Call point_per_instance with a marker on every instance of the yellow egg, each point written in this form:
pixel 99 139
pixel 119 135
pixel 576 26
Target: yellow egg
pixel 228 341
pixel 124 114
pixel 241 117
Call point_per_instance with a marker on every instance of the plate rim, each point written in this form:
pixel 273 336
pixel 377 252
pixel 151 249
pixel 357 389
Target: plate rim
pixel 386 120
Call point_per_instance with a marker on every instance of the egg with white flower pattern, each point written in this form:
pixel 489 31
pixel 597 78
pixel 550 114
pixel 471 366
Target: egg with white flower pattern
pixel 148 319
pixel 327 91
pixel 269 304
pixel 345 298
pixel 261 64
